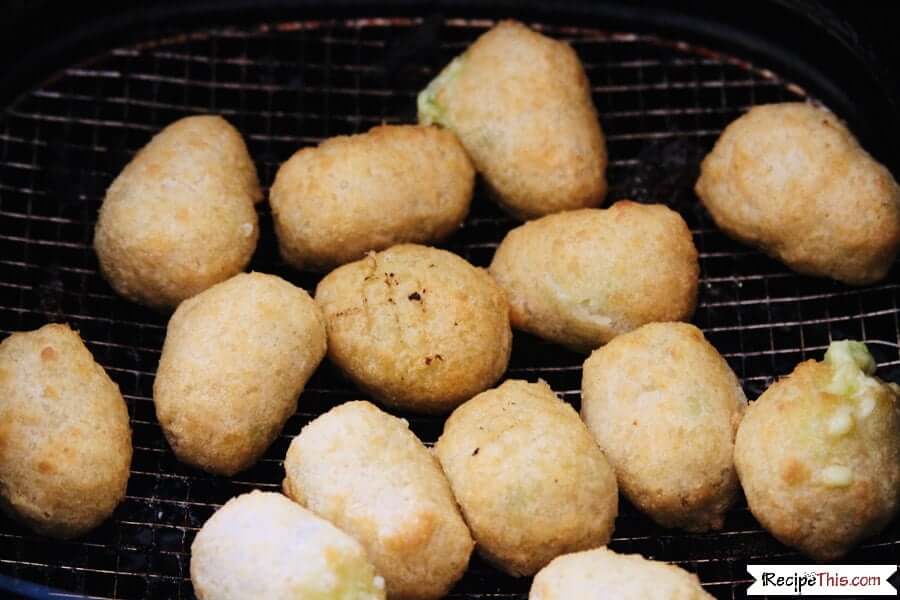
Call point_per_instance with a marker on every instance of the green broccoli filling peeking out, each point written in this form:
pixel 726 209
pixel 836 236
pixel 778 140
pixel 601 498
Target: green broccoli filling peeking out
pixel 430 112
pixel 851 365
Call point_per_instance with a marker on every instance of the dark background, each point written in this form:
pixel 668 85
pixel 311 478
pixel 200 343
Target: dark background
pixel 29 24
pixel 848 49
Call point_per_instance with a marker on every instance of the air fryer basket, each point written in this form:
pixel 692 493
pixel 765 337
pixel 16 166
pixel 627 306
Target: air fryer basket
pixel 287 83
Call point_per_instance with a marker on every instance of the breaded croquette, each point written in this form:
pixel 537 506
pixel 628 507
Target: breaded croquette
pixel 580 278
pixel 521 104
pixel 180 217
pixel 352 194
pixel 792 180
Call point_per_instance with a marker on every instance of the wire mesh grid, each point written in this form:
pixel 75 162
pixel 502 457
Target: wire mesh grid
pixel 286 85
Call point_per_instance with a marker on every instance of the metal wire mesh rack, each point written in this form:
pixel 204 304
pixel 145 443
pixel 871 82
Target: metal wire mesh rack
pixel 288 84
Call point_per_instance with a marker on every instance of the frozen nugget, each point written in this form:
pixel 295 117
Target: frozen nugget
pixel 521 105
pixel 664 406
pixel 367 473
pixel 792 180
pixel 351 194
pixel 235 359
pixel 65 443
pixel 531 481
pixel 818 454
pixel 582 277
pixel 262 545
pixel 416 327
pixel 180 217
pixel 602 574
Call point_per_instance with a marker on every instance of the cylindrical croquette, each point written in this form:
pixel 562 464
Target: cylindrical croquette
pixel 792 180
pixel 582 277
pixel 520 103
pixel 367 473
pixel 262 545
pixel 818 454
pixel 664 406
pixel 602 574
pixel 351 194
pixel 416 327
pixel 530 479
pixel 65 442
pixel 180 217
pixel 234 361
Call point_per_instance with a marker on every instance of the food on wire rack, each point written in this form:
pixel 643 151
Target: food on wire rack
pixel 582 277
pixel 180 216
pixel 792 180
pixel 520 103
pixel 818 454
pixel 65 442
pixel 423 330
pixel 602 574
pixel 366 472
pixel 333 203
pixel 530 479
pixel 234 361
pixel 416 327
pixel 262 545
pixel 664 406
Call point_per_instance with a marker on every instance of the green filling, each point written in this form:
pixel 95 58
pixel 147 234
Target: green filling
pixel 430 112
pixel 353 583
pixel 851 364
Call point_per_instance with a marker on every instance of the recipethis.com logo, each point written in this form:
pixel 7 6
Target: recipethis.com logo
pixel 822 580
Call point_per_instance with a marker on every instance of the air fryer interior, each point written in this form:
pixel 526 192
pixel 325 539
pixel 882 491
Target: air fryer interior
pixel 287 83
